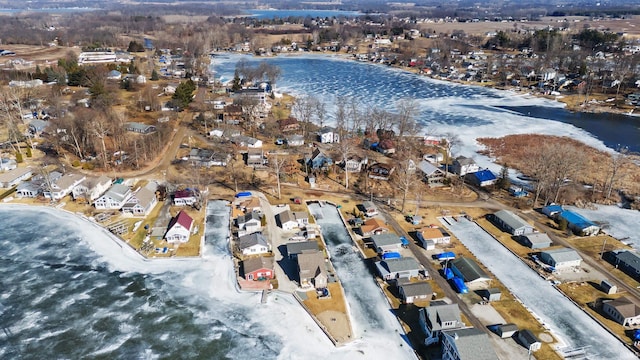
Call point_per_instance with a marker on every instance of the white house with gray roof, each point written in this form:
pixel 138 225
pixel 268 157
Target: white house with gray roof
pixel 512 223
pixel 391 269
pixel 253 244
pixel 91 188
pixel 114 198
pixel 386 242
pixel 14 177
pixel 467 344
pixel 410 292
pixel 438 317
pixel 62 186
pixel 141 202
pixel 140 128
pixel 561 258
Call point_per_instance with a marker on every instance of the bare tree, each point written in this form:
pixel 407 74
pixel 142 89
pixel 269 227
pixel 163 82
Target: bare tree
pixel 616 163
pixel 449 141
pixel 345 148
pixel 341 115
pixel 303 109
pixel 405 178
pixel 407 111
pixel 277 164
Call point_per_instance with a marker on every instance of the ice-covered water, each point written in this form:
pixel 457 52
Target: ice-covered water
pixel 468 111
pixel 369 308
pixel 68 290
pixel 570 324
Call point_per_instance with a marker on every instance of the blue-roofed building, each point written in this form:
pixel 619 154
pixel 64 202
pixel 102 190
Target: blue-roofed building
pixel 552 210
pixel 482 178
pixel 148 44
pixel 579 224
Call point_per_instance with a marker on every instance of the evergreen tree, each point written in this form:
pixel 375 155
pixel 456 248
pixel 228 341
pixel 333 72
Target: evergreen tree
pixel 154 75
pixel 235 86
pixel 29 153
pixel 19 158
pixel 184 94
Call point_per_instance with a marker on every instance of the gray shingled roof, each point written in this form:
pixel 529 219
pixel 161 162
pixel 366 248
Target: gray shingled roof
pixel 473 344
pixel 296 248
pixel 561 255
pixel 469 269
pixel 385 240
pixel 511 219
pixel 250 240
pixel 438 314
pixel 402 264
pixel 416 289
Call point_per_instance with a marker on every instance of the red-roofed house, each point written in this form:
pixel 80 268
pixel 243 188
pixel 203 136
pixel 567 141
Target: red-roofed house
pixel 179 228
pixel 184 198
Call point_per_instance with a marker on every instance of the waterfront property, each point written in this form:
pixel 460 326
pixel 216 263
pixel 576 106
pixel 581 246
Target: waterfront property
pixel 258 268
pixel 61 187
pixel 561 258
pixel 491 294
pixel 91 188
pixel 286 220
pixel 436 234
pixel 402 268
pixel 14 177
pixel 370 209
pixel 296 248
pixel 114 198
pixel 179 229
pixel 506 330
pixel 142 201
pixel 464 165
pixel 253 244
pixel 383 243
pixel 410 292
pixel 249 223
pixel 627 261
pixel 535 240
pixel 373 226
pixel 579 224
pixel 511 223
pixel 438 317
pixel 482 178
pixel 623 311
pixel 184 198
pixel 430 173
pixel 467 344
pixel 312 270
pixel 468 270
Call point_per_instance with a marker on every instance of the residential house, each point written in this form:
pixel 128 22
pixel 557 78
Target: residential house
pixel 536 240
pixel 506 330
pixel 552 210
pixel 170 89
pixel 623 311
pixel 185 197
pixel 179 229
pixel 256 158
pixel 319 160
pixel 14 177
pixel 114 198
pixel 354 164
pixel 208 158
pixel 247 141
pixel 62 186
pixel 296 248
pixel 328 135
pixel 28 190
pixel 410 292
pixel 561 258
pixel 312 270
pixel 91 188
pixel 380 171
pixel 140 128
pixel 295 140
pixel 431 140
pixel 464 165
pixel 253 244
pixel 258 268
pixel 628 262
pixel 436 234
pixel 302 217
pixel 288 125
pixel 482 178
pixel 373 226
pixel 528 340
pixel 468 270
pixel 370 209
pixel 249 223
pixel 467 344
pixel 142 201
pixel 402 268
pixel 233 114
pixel 386 243
pixel 511 223
pixel 439 317
pixel 7 164
pixel 435 159
pixel 251 204
pixel 286 220
pixel 430 173
pixel 579 224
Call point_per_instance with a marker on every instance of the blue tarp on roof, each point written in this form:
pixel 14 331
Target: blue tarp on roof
pixel 576 219
pixel 242 194
pixel 391 255
pixel 404 241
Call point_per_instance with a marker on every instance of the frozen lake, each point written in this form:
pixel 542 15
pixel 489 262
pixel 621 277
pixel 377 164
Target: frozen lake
pixel 567 322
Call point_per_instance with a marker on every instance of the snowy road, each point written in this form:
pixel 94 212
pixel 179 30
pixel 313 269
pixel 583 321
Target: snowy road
pixel 568 323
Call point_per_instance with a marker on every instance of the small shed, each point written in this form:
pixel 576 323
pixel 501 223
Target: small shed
pixel 529 340
pixel 491 294
pixel 506 330
pixel 608 287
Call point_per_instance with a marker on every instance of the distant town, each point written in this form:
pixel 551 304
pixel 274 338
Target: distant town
pixel 131 128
